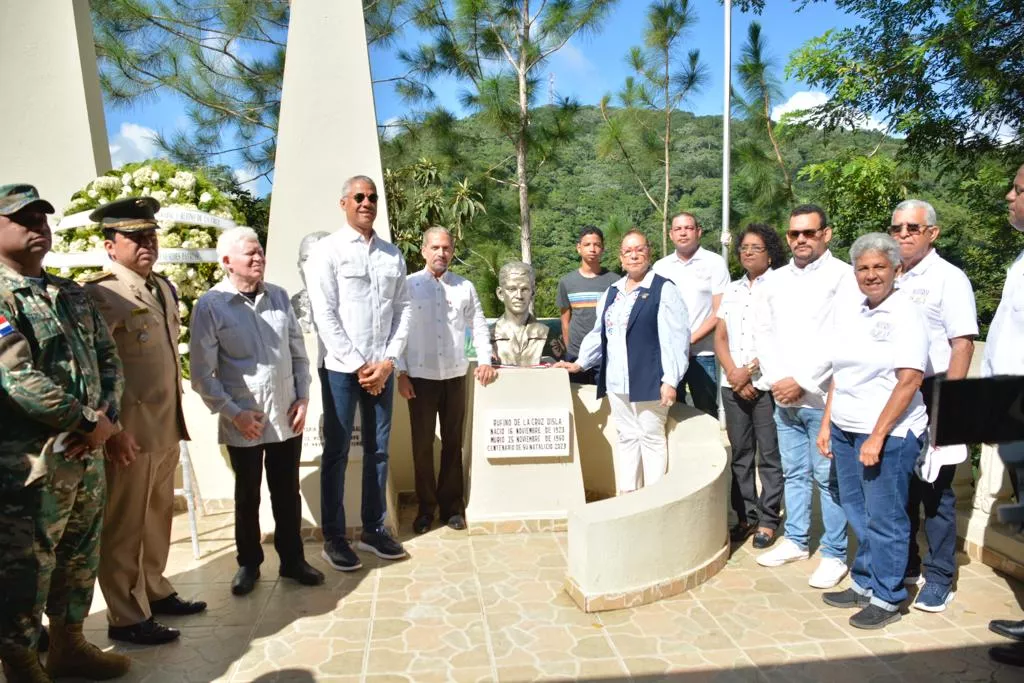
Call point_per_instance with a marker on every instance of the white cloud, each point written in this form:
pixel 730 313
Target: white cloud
pixel 132 143
pixel 803 100
pixel 799 101
pixel 388 128
pixel 247 178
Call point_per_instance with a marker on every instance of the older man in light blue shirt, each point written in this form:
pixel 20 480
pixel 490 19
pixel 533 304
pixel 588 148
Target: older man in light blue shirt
pixel 357 292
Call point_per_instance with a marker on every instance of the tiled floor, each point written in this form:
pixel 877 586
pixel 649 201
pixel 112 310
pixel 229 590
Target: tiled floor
pixel 487 608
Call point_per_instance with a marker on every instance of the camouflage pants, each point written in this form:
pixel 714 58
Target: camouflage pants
pixel 49 548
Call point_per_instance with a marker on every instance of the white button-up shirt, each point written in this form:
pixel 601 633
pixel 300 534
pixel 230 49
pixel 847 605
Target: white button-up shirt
pixel 699 279
pixel 358 298
pixel 248 355
pixel 673 337
pixel 868 347
pixel 441 311
pixel 737 310
pixel 946 298
pixel 792 314
pixel 1004 347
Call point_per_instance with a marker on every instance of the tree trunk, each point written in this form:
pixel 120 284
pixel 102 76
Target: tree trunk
pixel 775 143
pixel 524 121
pixel 668 162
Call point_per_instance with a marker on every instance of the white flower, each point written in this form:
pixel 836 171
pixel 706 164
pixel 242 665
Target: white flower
pixel 205 198
pixel 146 191
pixel 159 195
pixel 103 200
pixel 174 194
pixel 94 194
pixel 154 176
pixel 106 183
pixel 126 179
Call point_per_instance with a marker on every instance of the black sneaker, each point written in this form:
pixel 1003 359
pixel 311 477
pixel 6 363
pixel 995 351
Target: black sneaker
pixel 340 556
pixel 381 544
pixel 846 599
pixel 874 617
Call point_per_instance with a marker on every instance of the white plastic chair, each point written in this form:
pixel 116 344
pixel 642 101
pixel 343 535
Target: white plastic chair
pixel 190 491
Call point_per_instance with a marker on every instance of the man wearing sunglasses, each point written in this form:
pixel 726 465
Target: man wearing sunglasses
pixel 946 298
pixel 360 305
pixel 791 316
pixel 141 309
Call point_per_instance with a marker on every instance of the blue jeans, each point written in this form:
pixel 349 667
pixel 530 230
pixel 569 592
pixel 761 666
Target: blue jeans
pixel 801 462
pixel 875 501
pixel 341 392
pixel 939 503
pixel 701 381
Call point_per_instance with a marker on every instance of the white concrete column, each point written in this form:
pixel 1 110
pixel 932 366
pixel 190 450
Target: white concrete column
pixel 327 130
pixel 52 121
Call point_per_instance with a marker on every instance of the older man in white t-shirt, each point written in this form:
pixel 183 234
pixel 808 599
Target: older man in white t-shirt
pixel 791 320
pixel 944 295
pixel 702 277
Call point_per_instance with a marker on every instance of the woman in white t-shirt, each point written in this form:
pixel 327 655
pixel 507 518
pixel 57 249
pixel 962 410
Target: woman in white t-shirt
pixel 875 426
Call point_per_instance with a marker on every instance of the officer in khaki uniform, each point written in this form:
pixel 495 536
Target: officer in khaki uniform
pixel 60 386
pixel 141 310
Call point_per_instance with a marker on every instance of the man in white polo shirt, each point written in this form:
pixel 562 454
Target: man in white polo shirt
pixel 1004 355
pixel 792 314
pixel 945 296
pixel 702 277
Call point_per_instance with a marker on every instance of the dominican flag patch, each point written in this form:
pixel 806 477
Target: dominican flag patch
pixel 5 327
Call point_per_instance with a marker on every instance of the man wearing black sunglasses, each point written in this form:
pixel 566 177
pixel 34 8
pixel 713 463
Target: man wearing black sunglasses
pixel 360 307
pixel 791 317
pixel 945 296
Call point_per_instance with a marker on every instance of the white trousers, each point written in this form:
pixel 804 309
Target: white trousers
pixel 641 457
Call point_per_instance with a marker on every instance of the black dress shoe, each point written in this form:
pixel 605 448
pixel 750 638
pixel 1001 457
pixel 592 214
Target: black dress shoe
pixel 245 580
pixel 303 572
pixel 457 522
pixel 740 532
pixel 149 632
pixel 423 523
pixel 763 540
pixel 1007 628
pixel 176 607
pixel 1012 655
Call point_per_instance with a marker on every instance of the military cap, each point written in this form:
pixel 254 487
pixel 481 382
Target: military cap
pixel 127 215
pixel 14 198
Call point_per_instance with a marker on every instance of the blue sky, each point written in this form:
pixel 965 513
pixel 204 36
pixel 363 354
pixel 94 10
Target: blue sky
pixel 586 69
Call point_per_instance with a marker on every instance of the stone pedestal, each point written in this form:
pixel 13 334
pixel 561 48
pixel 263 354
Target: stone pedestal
pixel 518 478
pixel 54 132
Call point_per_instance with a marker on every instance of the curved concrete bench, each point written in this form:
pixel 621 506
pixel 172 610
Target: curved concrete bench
pixel 661 540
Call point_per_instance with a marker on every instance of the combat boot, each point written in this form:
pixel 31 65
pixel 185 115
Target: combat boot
pixel 21 665
pixel 71 655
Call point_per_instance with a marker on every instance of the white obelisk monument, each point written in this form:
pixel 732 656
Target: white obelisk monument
pixel 52 121
pixel 327 133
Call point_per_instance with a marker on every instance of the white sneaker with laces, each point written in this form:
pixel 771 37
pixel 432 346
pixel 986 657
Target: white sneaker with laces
pixel 829 573
pixel 784 552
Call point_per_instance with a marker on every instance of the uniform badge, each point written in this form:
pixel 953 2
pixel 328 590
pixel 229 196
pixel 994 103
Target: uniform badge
pixel 881 330
pixel 140 311
pixel 5 327
pixel 143 337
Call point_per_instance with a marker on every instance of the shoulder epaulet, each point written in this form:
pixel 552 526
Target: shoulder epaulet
pixel 95 276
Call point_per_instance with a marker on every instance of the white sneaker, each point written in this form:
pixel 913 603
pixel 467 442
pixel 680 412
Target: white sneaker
pixel 784 552
pixel 911 581
pixel 829 573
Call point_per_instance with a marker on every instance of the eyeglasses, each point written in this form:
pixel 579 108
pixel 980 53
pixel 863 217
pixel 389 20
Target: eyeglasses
pixel 751 249
pixel 359 197
pixel 808 234
pixel 912 228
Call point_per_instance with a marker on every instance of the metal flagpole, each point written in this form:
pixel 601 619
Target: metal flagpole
pixel 726 238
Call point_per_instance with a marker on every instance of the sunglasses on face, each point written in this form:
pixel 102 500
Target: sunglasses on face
pixel 358 197
pixel 808 234
pixel 912 228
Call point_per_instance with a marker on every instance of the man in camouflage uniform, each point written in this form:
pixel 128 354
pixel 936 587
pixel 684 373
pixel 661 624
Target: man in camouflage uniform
pixel 60 386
